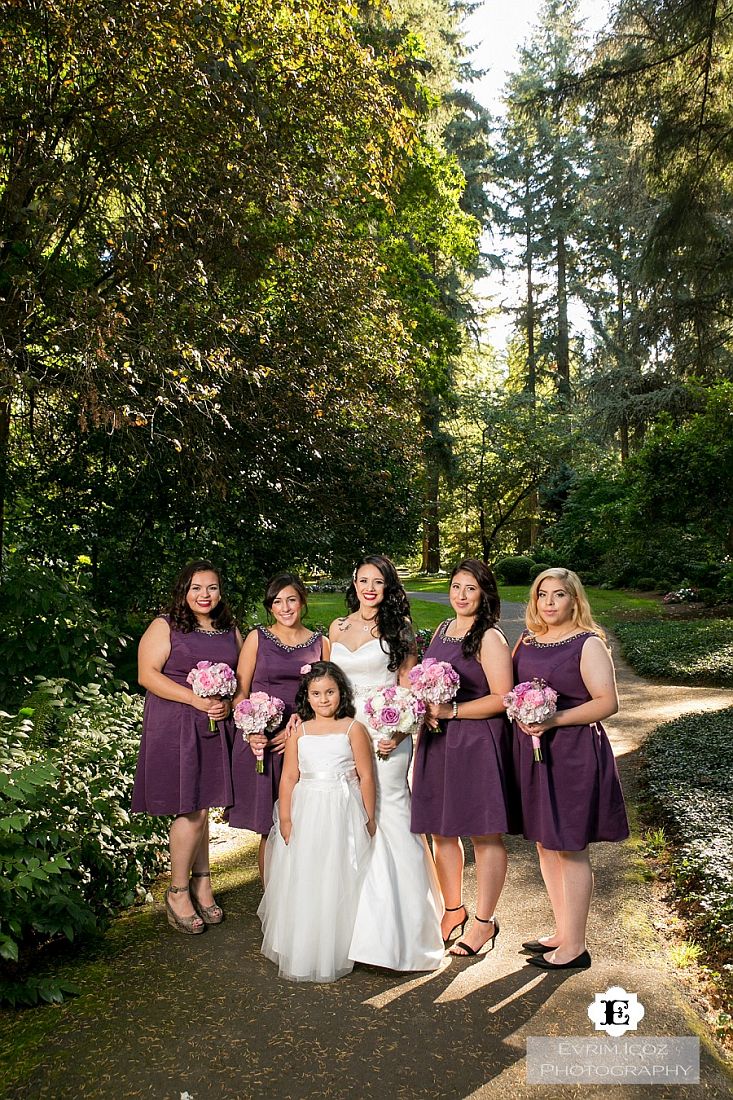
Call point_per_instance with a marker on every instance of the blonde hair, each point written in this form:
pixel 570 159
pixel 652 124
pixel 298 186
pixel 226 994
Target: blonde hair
pixel 582 614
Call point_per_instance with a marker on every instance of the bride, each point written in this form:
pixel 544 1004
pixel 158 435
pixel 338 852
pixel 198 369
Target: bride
pixel 398 919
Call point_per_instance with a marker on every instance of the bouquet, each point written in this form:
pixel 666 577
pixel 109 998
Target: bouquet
pixel 530 703
pixel 209 679
pixel 393 710
pixel 261 713
pixel 434 681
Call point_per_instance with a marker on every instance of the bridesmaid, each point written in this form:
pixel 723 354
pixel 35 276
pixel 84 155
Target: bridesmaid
pixel 574 795
pixel 183 768
pixel 462 781
pixel 270 661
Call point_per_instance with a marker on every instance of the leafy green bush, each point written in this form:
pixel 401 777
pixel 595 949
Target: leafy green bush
pixel 514 569
pixel 70 852
pixel 694 651
pixel 622 524
pixel 689 777
pixel 49 628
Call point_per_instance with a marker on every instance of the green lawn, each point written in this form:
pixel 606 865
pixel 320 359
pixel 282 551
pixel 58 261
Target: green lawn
pixel 323 609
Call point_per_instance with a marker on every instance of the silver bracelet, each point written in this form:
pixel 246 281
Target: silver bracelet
pixel 455 708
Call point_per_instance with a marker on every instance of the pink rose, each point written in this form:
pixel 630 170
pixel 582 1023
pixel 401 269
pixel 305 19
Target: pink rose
pixel 534 698
pixel 390 716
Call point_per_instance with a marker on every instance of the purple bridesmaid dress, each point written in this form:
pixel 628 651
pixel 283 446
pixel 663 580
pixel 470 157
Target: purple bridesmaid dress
pixel 182 765
pixel 277 672
pixel 463 780
pixel 573 796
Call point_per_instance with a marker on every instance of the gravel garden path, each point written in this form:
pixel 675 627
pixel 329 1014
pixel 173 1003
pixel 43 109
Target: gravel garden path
pixel 175 1018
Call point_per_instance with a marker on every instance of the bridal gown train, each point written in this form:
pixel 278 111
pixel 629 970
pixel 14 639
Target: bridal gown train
pixel 400 907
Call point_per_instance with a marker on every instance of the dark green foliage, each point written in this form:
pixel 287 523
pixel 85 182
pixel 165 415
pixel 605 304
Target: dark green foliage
pixel 50 628
pixel 689 776
pixel 70 852
pixel 515 569
pixel 698 651
pixel 666 515
pixel 228 275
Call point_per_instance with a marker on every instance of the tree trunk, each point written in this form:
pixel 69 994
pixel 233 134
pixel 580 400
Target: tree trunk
pixel 5 413
pixel 621 340
pixel 431 522
pixel 563 332
pixel 531 383
pixel 431 491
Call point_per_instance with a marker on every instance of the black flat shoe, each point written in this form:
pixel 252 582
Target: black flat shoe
pixel 582 962
pixel 538 948
pixel 460 926
pixel 488 946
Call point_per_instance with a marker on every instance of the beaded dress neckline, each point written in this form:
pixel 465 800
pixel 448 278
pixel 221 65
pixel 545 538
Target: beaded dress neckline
pixel 530 639
pixel 290 648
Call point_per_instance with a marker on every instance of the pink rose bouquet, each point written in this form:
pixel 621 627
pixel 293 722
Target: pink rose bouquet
pixel 530 703
pixel 434 681
pixel 261 713
pixel 393 710
pixel 208 680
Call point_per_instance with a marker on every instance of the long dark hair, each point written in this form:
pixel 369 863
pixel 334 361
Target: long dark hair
pixel 180 614
pixel 285 580
pixel 489 608
pixel 393 619
pixel 317 671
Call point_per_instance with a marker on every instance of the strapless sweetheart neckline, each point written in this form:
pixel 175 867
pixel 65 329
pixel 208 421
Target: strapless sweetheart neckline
pixel 358 648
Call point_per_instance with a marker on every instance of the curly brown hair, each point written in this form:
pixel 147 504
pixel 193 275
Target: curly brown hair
pixel 180 614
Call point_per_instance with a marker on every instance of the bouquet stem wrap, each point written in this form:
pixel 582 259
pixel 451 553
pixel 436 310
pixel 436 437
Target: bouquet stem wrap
pixel 261 713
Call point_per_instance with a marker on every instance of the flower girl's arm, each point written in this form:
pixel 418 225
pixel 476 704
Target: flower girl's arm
pixel 361 747
pixel 290 776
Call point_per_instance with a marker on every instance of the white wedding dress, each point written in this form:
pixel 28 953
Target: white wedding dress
pixel 313 883
pixel 400 906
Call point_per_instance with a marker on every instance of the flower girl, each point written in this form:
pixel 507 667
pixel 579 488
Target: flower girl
pixel 319 845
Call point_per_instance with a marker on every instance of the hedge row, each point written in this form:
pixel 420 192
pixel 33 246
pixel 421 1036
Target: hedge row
pixel 70 852
pixel 698 651
pixel 689 778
